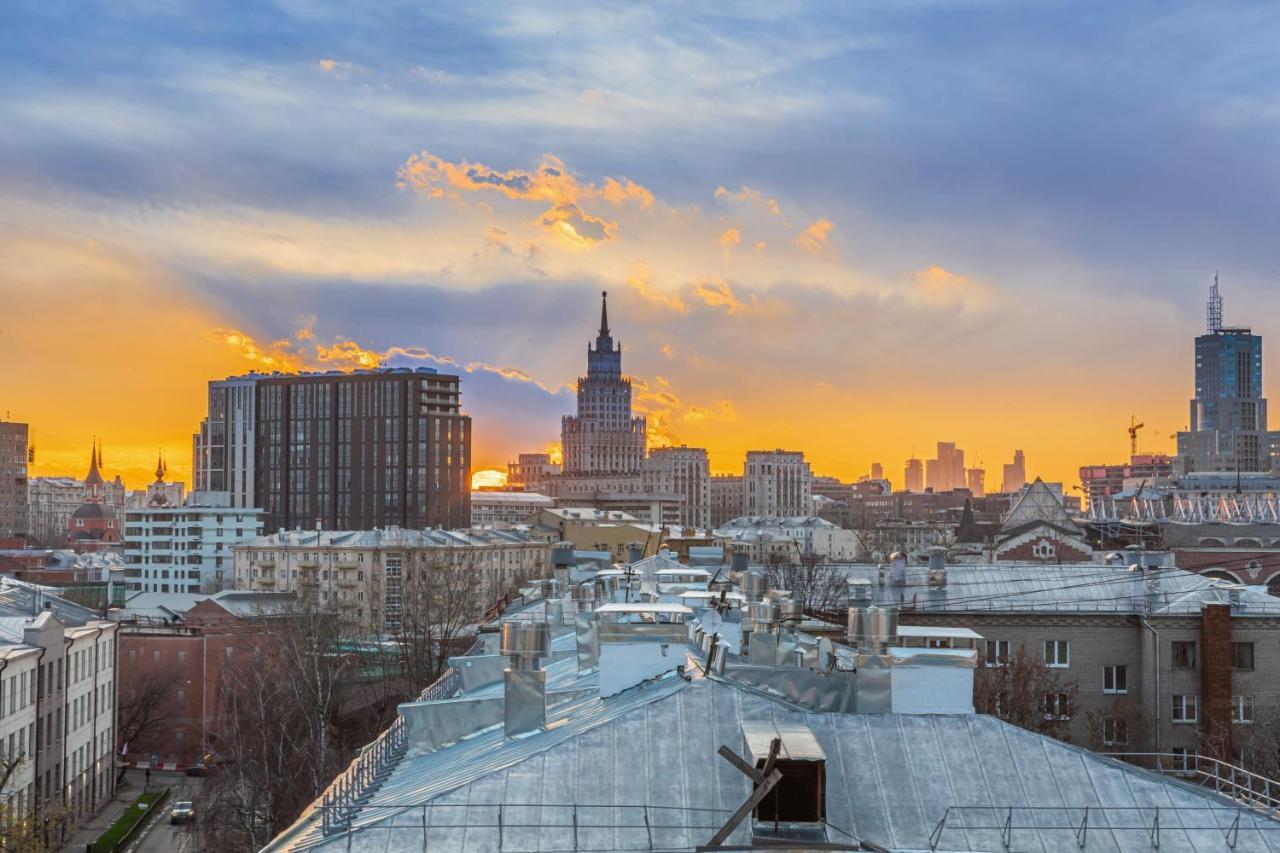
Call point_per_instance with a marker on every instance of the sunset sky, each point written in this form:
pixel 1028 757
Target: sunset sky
pixel 852 229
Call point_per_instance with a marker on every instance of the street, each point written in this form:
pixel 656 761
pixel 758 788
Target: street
pixel 159 836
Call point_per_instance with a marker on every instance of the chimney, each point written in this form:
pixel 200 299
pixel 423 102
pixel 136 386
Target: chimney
pixel 937 568
pixel 584 599
pixel 755 586
pixel 790 613
pixel 1215 680
pixel 524 682
pixel 872 629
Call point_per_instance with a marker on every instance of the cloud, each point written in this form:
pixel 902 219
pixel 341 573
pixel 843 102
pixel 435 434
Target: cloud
pixel 730 238
pixel 815 238
pixel 938 286
pixel 752 196
pixel 550 183
pixel 641 282
pixel 717 293
pixel 339 68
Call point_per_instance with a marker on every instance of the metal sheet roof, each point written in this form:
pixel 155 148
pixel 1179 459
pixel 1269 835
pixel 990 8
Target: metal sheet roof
pixel 650 753
pixel 1070 588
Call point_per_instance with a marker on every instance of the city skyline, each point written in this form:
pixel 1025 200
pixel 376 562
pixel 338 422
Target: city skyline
pixel 812 248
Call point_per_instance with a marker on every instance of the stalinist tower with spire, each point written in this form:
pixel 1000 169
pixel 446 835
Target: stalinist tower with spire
pixel 603 438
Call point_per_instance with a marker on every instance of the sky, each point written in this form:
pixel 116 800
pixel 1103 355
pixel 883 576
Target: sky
pixel 853 229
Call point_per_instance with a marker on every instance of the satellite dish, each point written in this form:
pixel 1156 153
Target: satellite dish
pixel 711 621
pixel 826 654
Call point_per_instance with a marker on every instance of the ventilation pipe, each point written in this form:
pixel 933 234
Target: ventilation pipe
pixel 872 629
pixel 937 567
pixel 790 613
pixel 550 590
pixel 524 682
pixel 562 563
pixel 859 592
pixel 898 569
pixel 584 599
pixel 756 587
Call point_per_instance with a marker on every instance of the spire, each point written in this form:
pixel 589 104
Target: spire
pixel 604 313
pixel 94 478
pixel 1213 311
pixel 159 467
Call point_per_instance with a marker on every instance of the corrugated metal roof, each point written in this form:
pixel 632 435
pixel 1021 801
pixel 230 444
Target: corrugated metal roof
pixel 890 779
pixel 1073 588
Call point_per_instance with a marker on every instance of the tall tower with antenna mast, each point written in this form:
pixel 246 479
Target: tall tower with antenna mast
pixel 1213 310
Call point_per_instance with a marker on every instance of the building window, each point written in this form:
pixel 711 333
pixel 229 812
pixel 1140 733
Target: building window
pixel 997 652
pixel 1242 709
pixel 1057 653
pixel 1057 706
pixel 1044 551
pixel 1115 679
pixel 1186 708
pixel 1184 654
pixel 1242 656
pixel 1181 757
pixel 1114 732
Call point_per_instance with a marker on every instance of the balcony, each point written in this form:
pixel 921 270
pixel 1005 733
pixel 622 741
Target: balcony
pixel 266 564
pixel 347 562
pixel 308 564
pixel 266 582
pixel 347 577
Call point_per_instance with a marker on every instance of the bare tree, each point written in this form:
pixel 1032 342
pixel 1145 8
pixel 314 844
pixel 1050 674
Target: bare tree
pixel 816 584
pixel 1026 692
pixel 148 706
pixel 1121 727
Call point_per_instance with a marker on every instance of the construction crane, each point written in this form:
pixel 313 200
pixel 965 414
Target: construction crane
pixel 1134 426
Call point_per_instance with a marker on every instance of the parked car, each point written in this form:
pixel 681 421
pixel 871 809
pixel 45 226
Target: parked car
pixel 199 768
pixel 182 811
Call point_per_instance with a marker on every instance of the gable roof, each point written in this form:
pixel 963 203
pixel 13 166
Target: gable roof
pixel 1038 505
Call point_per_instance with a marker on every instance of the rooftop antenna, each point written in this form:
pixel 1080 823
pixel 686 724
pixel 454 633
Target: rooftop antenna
pixel 1213 311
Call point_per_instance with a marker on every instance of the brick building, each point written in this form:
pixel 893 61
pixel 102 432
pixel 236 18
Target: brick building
pixel 178 662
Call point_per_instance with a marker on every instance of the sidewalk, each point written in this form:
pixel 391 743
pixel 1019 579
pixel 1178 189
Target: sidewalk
pixel 90 829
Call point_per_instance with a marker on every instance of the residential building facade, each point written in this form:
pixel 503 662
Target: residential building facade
pixel 685 471
pixel 725 491
pixel 186 548
pixel 14 513
pixel 363 574
pixel 370 448
pixel 776 482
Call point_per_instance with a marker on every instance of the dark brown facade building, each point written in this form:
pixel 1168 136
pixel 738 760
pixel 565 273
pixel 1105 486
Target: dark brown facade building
pixel 354 451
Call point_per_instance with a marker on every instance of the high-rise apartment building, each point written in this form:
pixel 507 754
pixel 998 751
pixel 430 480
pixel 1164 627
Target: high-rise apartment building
pixel 685 471
pixel 1015 473
pixel 1228 419
pixel 14 518
pixel 354 451
pixel 777 483
pixel 223 451
pixel 913 476
pixel 603 438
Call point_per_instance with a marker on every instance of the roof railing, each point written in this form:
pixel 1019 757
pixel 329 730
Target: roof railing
pixel 1229 780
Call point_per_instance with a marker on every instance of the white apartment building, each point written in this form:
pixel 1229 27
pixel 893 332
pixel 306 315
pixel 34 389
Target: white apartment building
pixel 789 539
pixel 89 715
pixel 67 700
pixel 186 548
pixel 363 574
pixel 18 680
pixel 685 471
pixel 776 482
pixel 499 508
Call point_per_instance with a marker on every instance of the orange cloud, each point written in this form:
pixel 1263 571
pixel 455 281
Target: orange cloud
pixel 815 238
pixel 550 183
pixel 730 238
pixel 641 281
pixel 716 293
pixel 752 195
pixel 939 286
